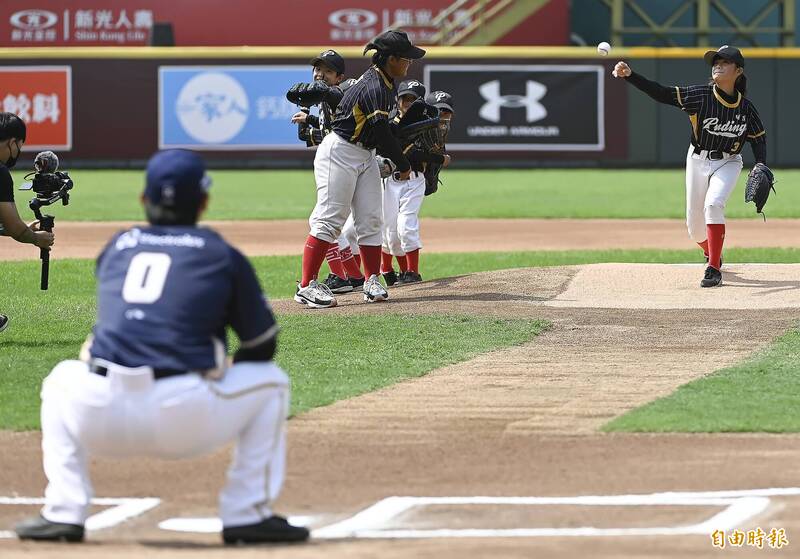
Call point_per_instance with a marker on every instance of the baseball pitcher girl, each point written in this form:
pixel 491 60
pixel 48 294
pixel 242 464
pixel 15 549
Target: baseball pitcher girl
pixel 722 120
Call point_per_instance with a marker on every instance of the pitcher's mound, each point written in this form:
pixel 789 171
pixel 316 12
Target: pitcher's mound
pixel 677 286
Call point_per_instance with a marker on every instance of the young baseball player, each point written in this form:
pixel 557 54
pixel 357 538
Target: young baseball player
pixel 722 119
pixel 153 378
pixel 347 173
pixel 329 68
pixel 402 200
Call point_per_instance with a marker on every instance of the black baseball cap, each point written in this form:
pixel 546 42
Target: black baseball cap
pixel 176 178
pixel 441 100
pixel 725 52
pixel 397 43
pixel 411 87
pixel 331 59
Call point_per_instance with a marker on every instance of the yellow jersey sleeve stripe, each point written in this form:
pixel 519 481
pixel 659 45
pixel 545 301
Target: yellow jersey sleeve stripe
pixel 757 135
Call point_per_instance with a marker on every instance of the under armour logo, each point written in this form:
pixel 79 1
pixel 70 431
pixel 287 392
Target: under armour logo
pixel 168 195
pixel 534 110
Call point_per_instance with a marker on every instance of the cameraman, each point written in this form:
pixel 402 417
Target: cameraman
pixel 12 138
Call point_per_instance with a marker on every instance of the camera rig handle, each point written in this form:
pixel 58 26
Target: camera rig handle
pixel 46 223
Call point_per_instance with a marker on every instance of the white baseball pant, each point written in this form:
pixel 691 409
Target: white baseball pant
pixel 709 184
pixel 347 179
pixel 402 201
pixel 129 413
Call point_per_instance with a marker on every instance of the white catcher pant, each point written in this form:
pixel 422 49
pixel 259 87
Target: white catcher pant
pixel 128 413
pixel 708 186
pixel 347 177
pixel 402 201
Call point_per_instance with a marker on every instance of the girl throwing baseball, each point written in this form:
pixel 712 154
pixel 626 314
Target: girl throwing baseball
pixel 722 119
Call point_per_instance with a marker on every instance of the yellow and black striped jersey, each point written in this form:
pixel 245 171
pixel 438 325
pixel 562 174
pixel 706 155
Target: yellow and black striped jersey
pixel 719 122
pixel 366 102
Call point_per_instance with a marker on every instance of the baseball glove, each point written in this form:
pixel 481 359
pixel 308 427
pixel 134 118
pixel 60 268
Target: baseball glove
pixel 432 181
pixel 385 166
pixel 759 182
pixel 308 94
pixel 420 126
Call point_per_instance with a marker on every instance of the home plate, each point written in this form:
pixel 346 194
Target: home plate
pixel 677 286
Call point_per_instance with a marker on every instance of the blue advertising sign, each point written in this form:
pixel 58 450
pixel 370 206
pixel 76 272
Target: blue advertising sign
pixel 228 107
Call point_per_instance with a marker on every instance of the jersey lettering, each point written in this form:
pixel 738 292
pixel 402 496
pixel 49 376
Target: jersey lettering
pixel 146 277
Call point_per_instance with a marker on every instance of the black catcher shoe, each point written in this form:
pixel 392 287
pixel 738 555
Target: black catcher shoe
pixel 274 529
pixel 41 529
pixel 3 322
pixel 712 278
pixel 337 284
pixel 390 278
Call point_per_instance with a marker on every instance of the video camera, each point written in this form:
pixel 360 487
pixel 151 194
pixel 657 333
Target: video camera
pixel 50 186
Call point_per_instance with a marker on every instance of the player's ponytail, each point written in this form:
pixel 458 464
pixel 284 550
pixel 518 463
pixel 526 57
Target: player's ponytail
pixel 741 84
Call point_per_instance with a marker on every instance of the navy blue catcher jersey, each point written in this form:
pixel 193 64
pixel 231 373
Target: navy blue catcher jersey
pixel 719 123
pixel 166 294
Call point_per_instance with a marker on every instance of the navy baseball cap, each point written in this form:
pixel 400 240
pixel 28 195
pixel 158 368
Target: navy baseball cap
pixel 176 178
pixel 397 43
pixel 331 59
pixel 441 100
pixel 411 87
pixel 725 52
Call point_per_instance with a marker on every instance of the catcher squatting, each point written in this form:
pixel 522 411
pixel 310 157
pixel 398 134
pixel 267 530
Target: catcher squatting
pixel 348 176
pixel 722 119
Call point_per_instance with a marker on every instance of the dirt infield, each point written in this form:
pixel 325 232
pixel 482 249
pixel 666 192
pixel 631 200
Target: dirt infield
pixel 516 423
pixel 264 238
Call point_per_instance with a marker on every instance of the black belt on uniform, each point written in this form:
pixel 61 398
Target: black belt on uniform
pixel 157 373
pixel 714 155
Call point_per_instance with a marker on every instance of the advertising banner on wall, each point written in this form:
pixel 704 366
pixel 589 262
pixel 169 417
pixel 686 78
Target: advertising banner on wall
pixel 228 107
pixel 244 22
pixel 523 107
pixel 42 97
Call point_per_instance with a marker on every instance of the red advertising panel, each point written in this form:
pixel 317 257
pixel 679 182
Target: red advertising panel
pixel 244 22
pixel 42 97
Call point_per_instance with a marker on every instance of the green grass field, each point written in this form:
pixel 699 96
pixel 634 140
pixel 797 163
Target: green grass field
pixel 546 193
pixel 761 394
pixel 50 326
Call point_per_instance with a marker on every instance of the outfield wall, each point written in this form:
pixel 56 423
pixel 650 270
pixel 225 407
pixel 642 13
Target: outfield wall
pixel 515 106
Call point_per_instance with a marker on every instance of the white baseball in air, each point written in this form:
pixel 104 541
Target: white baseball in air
pixel 603 49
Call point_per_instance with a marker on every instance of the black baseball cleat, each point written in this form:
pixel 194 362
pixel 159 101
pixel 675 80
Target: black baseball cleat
pixel 357 282
pixel 274 529
pixel 3 322
pixel 409 277
pixel 712 277
pixel 337 284
pixel 41 529
pixel 390 278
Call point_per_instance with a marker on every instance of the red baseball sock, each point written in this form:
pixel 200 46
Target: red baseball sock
pixel 716 238
pixel 358 260
pixel 402 261
pixel 412 258
pixel 371 257
pixel 313 255
pixel 386 262
pixel 334 258
pixel 704 246
pixel 350 265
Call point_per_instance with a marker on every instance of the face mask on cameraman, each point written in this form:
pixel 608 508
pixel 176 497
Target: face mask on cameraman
pixel 12 159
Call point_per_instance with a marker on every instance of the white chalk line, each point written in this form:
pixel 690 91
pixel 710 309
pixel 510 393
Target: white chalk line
pixel 121 509
pixel 740 506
